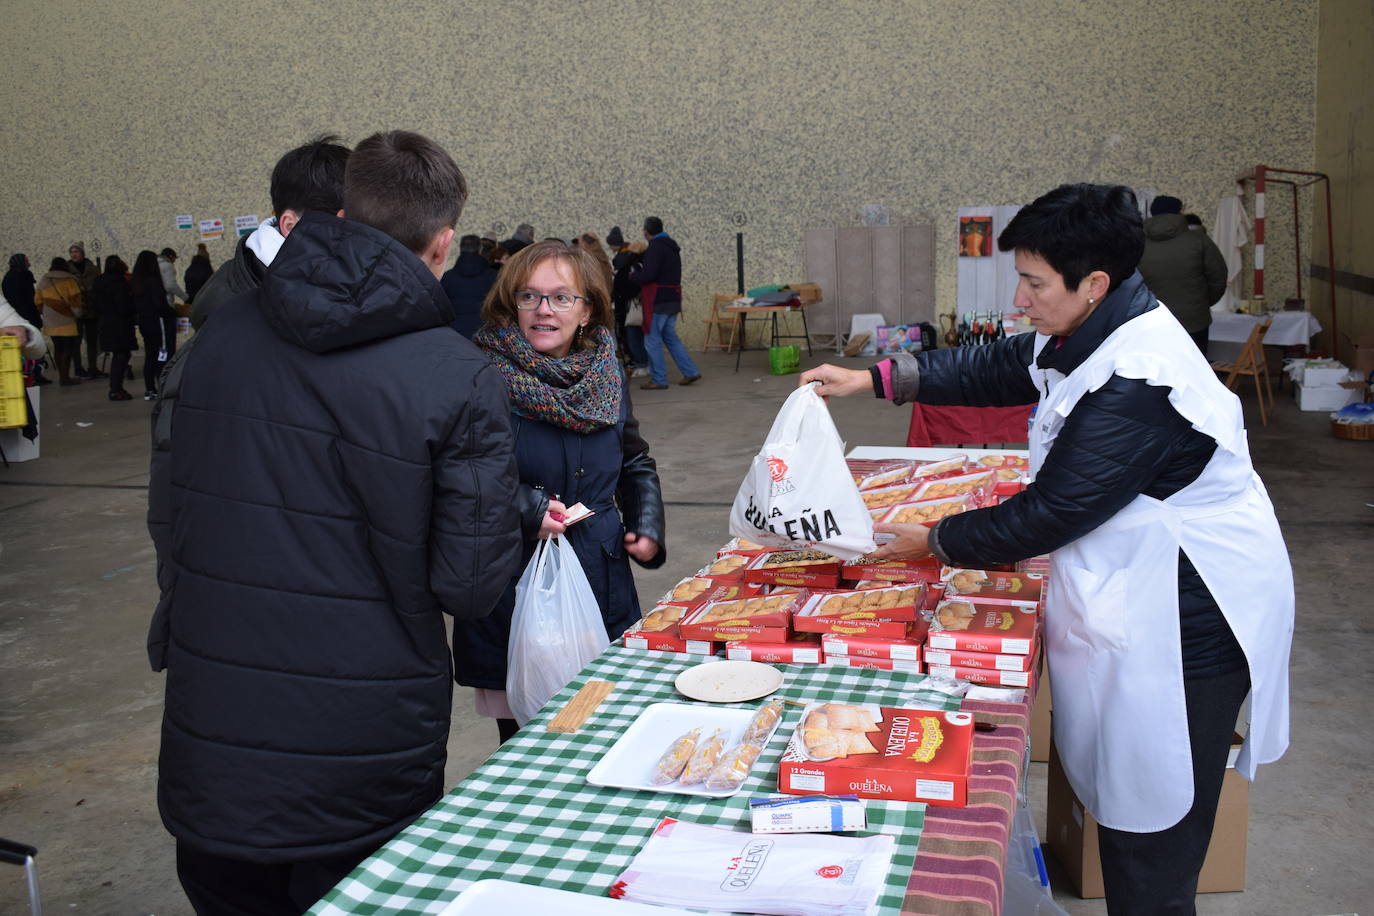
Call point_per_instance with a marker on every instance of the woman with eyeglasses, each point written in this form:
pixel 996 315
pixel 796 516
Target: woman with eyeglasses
pixel 547 328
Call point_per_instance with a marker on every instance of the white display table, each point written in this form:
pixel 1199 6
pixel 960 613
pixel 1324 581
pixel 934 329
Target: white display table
pixel 1288 329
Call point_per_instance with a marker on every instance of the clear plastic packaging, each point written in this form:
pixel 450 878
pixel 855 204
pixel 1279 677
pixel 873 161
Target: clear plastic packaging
pixel 675 758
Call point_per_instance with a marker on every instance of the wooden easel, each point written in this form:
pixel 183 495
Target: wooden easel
pixel 721 318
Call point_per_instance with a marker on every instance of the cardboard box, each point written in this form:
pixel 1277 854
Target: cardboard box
pixel 986 660
pixel 1072 835
pixel 925 570
pixel 811 569
pixel 800 649
pixel 977 483
pixel 972 626
pixel 668 642
pixel 985 584
pixel 1321 373
pixel 1040 719
pixel 871 647
pixel 1363 359
pixel 989 676
pixel 896 602
pixel 929 511
pixel 880 752
pixel 1324 398
pixel 881 664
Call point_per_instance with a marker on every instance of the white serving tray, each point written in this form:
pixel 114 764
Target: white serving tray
pixel 494 897
pixel 630 762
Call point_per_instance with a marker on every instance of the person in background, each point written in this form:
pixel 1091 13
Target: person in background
pixel 658 278
pixel 88 325
pixel 1145 499
pixel 589 243
pixel 118 317
pixel 309 177
pixel 623 293
pixel 18 287
pixel 14 324
pixel 59 296
pixel 467 283
pixel 547 329
pixel 1194 222
pixel 524 235
pixel 336 486
pixel 166 262
pixel 1184 270
pixel 198 272
pixel 154 316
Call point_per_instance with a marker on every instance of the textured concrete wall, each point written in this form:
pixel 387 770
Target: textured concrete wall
pixel 772 116
pixel 1345 152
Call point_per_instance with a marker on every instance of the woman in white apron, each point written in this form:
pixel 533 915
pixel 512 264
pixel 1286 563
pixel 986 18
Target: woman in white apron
pixel 1171 595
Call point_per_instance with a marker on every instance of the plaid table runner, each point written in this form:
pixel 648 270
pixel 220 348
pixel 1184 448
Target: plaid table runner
pixel 528 814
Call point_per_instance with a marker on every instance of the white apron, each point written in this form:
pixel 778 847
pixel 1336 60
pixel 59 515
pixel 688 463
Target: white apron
pixel 1111 611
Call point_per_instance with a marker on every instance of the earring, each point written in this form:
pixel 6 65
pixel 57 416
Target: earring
pixel 1091 300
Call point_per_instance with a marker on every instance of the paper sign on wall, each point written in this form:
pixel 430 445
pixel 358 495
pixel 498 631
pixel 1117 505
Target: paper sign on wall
pixel 211 229
pixel 244 225
pixel 184 221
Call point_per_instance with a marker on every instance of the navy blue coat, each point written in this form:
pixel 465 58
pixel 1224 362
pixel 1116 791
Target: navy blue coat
pixel 466 283
pixel 610 472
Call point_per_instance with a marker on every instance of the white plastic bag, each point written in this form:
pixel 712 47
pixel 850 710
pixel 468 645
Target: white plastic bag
pixel 555 631
pixel 798 491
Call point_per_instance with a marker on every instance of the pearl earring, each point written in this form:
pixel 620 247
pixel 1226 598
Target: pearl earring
pixel 1091 300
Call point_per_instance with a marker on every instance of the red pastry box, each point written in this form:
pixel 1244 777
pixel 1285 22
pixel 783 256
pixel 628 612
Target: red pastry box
pixel 929 511
pixel 695 591
pixel 975 483
pixel 893 613
pixel 891 472
pixel 726 568
pixel 807 568
pixel 739 547
pixel 952 658
pixel 926 570
pixel 889 496
pixel 882 664
pixel 1016 462
pixel 984 584
pixel 880 752
pixel 799 649
pixel 942 467
pixel 871 647
pixel 762 619
pixel 984 676
pixel 971 626
pixel 658 631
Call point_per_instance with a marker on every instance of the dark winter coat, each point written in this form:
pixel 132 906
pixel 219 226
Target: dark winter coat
pixel 466 283
pixel 1183 268
pixel 610 472
pixel 18 286
pixel 662 265
pixel 241 274
pixel 155 318
pixel 1121 440
pixel 336 475
pixel 115 304
pixel 198 272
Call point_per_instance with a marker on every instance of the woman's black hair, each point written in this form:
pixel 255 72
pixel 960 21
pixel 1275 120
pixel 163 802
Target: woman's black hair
pixel 59 264
pixel 146 273
pixel 1080 228
pixel 114 264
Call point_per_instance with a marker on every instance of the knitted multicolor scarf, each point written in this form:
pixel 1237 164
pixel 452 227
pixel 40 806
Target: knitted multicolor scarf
pixel 580 392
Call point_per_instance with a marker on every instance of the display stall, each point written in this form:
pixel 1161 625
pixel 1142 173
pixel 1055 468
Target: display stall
pixel 954 425
pixel 580 797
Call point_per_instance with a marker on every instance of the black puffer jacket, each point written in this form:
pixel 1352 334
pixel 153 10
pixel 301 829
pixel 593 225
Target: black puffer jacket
pixel 117 312
pixel 336 475
pixel 1122 440
pixel 241 274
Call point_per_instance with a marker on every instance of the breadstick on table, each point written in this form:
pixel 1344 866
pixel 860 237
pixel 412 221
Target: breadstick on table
pixel 576 711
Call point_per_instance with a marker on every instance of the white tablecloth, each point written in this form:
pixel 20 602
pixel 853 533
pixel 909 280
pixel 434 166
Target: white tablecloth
pixel 1289 329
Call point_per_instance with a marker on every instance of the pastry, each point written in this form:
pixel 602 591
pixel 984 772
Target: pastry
pixel 669 767
pixel 955 615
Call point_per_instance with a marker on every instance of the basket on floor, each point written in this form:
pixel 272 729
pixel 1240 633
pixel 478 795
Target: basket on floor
pixel 1360 431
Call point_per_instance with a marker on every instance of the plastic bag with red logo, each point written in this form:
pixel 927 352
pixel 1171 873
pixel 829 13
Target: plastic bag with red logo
pixel 691 865
pixel 798 491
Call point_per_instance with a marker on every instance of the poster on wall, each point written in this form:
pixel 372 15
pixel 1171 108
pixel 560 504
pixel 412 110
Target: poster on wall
pixel 185 221
pixel 244 225
pixel 975 236
pixel 211 229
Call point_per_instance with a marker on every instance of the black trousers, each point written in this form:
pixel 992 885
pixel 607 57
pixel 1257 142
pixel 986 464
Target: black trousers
pixel 1155 874
pixel 119 365
pixel 90 333
pixel 217 886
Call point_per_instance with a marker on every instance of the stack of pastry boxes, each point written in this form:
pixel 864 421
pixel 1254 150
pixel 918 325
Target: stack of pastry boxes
pixel 805 606
pixel 986 628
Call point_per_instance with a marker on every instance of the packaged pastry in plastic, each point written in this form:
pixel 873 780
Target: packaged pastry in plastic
pixel 703 760
pixel 670 766
pixel 733 768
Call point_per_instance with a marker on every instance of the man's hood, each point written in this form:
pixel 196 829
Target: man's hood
pixel 1165 226
pixel 338 283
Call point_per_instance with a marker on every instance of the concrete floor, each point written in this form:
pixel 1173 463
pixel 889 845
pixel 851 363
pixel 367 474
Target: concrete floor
pixel 80 713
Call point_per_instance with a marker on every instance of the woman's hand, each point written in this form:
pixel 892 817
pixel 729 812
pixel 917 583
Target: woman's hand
pixel 16 331
pixel 640 546
pixel 553 520
pixel 838 382
pixel 910 542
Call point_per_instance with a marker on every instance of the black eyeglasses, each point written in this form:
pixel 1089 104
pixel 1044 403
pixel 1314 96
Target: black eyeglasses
pixel 527 300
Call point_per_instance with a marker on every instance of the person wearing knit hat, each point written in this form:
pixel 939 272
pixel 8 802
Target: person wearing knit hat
pixel 88 324
pixel 1184 270
pixel 615 238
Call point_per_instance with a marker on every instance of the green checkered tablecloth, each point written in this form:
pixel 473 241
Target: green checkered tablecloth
pixel 528 814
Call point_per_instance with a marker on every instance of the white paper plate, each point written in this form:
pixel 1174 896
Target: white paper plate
pixel 728 682
pixel 630 762
pixel 494 897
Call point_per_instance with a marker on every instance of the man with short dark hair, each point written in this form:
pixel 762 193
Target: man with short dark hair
pixel 467 283
pixel 309 177
pixel 88 325
pixel 658 277
pixel 337 479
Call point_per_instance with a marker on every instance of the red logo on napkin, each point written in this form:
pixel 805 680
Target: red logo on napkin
pixel 830 871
